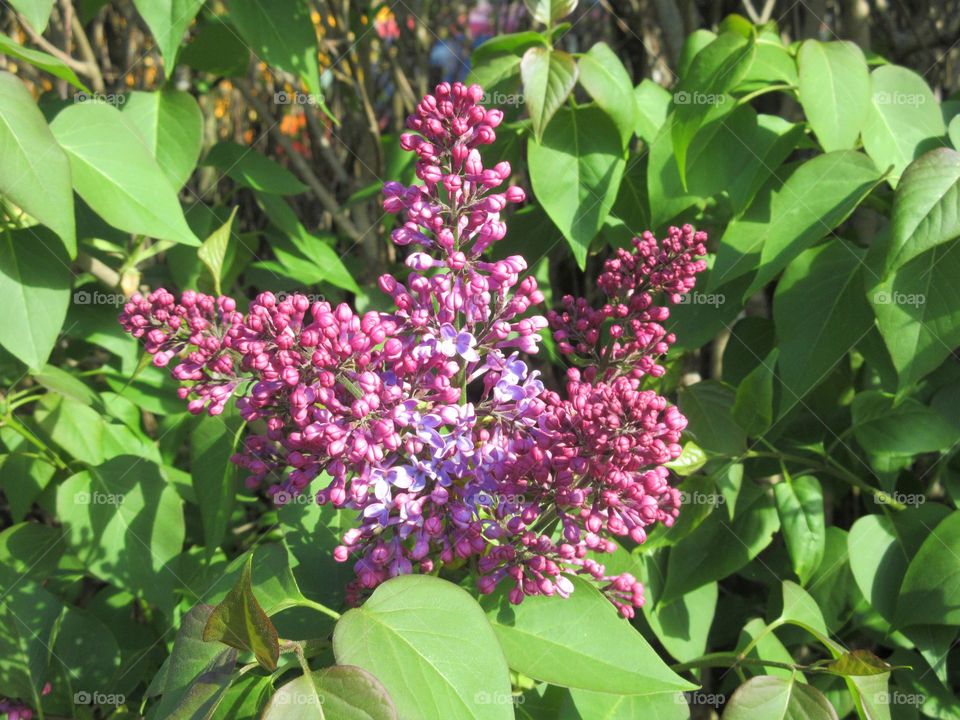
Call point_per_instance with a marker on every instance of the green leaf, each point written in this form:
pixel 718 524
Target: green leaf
pixel 137 520
pixel 171 124
pixel 190 660
pixel 907 428
pixel 547 639
pixel 926 207
pixel 776 698
pixel 326 264
pixel 41 60
pixel 23 478
pixel 251 169
pixel 495 64
pixel 816 198
pixel 918 312
pixel 717 68
pixel 29 551
pixel 834 91
pixel 272 578
pixel 719 547
pixel 213 252
pixel 86 651
pixel 35 173
pixel 240 622
pixel 409 635
pixel 753 406
pixel 214 479
pixel 652 102
pixel 858 663
pixel 586 705
pixel 953 131
pixel 549 12
pixel 217 48
pixel 29 618
pixel 606 79
pixel 35 12
pixel 168 20
pixel 548 79
pixel 115 174
pixel 683 626
pixel 280 33
pixel 800 507
pixel 576 172
pixel 708 407
pixel 814 337
pixel 930 594
pixel 342 692
pixel 691 459
pixel 881 547
pixel 35 286
pixel 903 120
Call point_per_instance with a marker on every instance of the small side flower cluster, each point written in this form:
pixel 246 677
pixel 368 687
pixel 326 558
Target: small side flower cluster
pixel 426 420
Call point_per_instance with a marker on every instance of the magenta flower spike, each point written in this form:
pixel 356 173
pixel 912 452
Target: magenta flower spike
pixel 427 421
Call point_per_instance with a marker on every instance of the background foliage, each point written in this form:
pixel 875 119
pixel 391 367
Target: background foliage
pixel 815 568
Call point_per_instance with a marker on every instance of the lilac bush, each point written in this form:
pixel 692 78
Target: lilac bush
pixel 428 420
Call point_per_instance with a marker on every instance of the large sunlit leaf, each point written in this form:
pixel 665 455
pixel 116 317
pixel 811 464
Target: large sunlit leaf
pixel 834 91
pixel 171 123
pixel 548 78
pixel 903 120
pixel 576 171
pixel 35 285
pixel 547 639
pixel 410 635
pixel 35 172
pixel 168 20
pixel 115 174
pixel 930 594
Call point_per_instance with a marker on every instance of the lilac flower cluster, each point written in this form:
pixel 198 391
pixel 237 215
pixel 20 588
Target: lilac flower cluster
pixel 426 420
